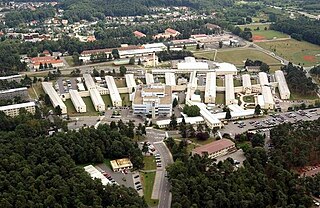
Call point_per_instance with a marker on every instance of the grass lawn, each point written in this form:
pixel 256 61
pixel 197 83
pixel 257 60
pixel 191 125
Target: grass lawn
pixel 302 52
pixel 125 99
pixel 254 81
pixel 69 60
pixel 220 98
pixel 147 182
pixel 162 80
pixel 107 100
pixel 200 142
pixel 238 56
pixel 220 82
pixel 149 163
pixel 248 99
pixel 302 97
pixel 90 109
pixel 262 34
pixel 237 82
pixel 107 163
pixel 38 88
pixel 121 82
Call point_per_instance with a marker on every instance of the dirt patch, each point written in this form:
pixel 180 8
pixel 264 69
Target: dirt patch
pixel 309 58
pixel 258 37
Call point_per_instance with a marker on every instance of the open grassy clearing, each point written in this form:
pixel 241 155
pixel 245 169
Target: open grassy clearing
pixel 72 111
pixel 149 163
pixel 238 56
pixel 220 82
pixel 248 99
pixel 302 52
pixel 107 100
pixel 220 98
pixel 121 82
pixel 263 34
pixel 69 60
pixel 125 99
pixel 237 82
pixel 89 105
pixel 302 96
pixel 147 181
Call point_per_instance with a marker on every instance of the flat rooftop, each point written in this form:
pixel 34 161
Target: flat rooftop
pixel 214 146
pixel 167 99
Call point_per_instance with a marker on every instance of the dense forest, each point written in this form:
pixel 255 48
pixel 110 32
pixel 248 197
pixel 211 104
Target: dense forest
pixel 302 28
pixel 39 170
pixel 264 181
pixel 298 81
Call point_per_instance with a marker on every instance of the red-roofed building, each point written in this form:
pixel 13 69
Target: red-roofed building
pixel 167 34
pixel 108 50
pixel 216 149
pixel 139 34
pixel 49 60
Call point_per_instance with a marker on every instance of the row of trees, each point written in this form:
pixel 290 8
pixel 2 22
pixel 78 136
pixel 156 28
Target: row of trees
pixel 263 66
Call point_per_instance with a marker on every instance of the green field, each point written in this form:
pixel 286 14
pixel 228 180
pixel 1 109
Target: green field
pixel 238 56
pixel 149 163
pixel 147 182
pixel 90 108
pixel 237 82
pixel 302 52
pixel 220 82
pixel 263 34
pixel 294 96
pixel 107 100
pixel 248 99
pixel 220 98
pixel 125 99
pixel 35 90
pixel 69 60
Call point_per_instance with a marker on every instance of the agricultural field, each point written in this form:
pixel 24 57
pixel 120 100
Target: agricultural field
pixel 298 52
pixel 238 56
pixel 262 32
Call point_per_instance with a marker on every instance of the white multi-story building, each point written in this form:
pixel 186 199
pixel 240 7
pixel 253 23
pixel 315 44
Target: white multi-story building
pixel 282 85
pixel 11 78
pixel 229 93
pixel 170 79
pixel 153 100
pixel 130 81
pixel 266 91
pixel 14 110
pixel 77 101
pixel 97 100
pixel 149 78
pixel 54 97
pixel 88 80
pixel 210 90
pixel 246 84
pixel 114 93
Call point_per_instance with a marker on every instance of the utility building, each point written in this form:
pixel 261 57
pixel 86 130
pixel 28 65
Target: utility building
pixel 229 93
pixel 246 84
pixel 149 79
pixel 54 97
pixel 114 93
pixel 170 79
pixel 210 90
pixel 77 101
pixel 282 85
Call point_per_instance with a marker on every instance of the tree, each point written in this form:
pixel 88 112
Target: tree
pixel 35 80
pixel 139 62
pixel 40 66
pixel 115 53
pixel 47 100
pixel 58 110
pixel 175 102
pixel 264 67
pixel 184 47
pixel 145 148
pixel 183 130
pixel 257 110
pixel 198 46
pixel 220 44
pixel 123 70
pixel 228 114
pixel 132 61
pixel 191 111
pixel 95 73
pixel 173 122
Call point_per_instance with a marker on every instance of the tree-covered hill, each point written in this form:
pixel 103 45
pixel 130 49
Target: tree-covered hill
pixel 42 171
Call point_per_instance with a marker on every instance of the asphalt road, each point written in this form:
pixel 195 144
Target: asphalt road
pixel 156 138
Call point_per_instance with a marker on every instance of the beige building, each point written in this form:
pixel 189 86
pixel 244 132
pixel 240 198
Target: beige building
pixel 216 149
pixel 14 110
pixel 121 164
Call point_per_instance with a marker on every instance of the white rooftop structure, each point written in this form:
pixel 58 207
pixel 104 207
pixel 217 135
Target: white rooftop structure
pixel 13 90
pixel 211 120
pixel 149 78
pixel 81 87
pixel 88 80
pixel 210 90
pixel 260 101
pixel 11 77
pixel 263 78
pixel 246 83
pixel 77 101
pixel 114 93
pixel 54 97
pixel 229 93
pixel 154 45
pixel 225 68
pixel 14 110
pixel 130 81
pixel 188 120
pixel 124 53
pixel 170 79
pixel 282 85
pixel 192 85
pixel 96 174
pixel 16 106
pixel 190 63
pixel 97 100
pixel 267 97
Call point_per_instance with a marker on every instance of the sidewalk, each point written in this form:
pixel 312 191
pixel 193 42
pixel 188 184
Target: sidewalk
pixel 157 184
